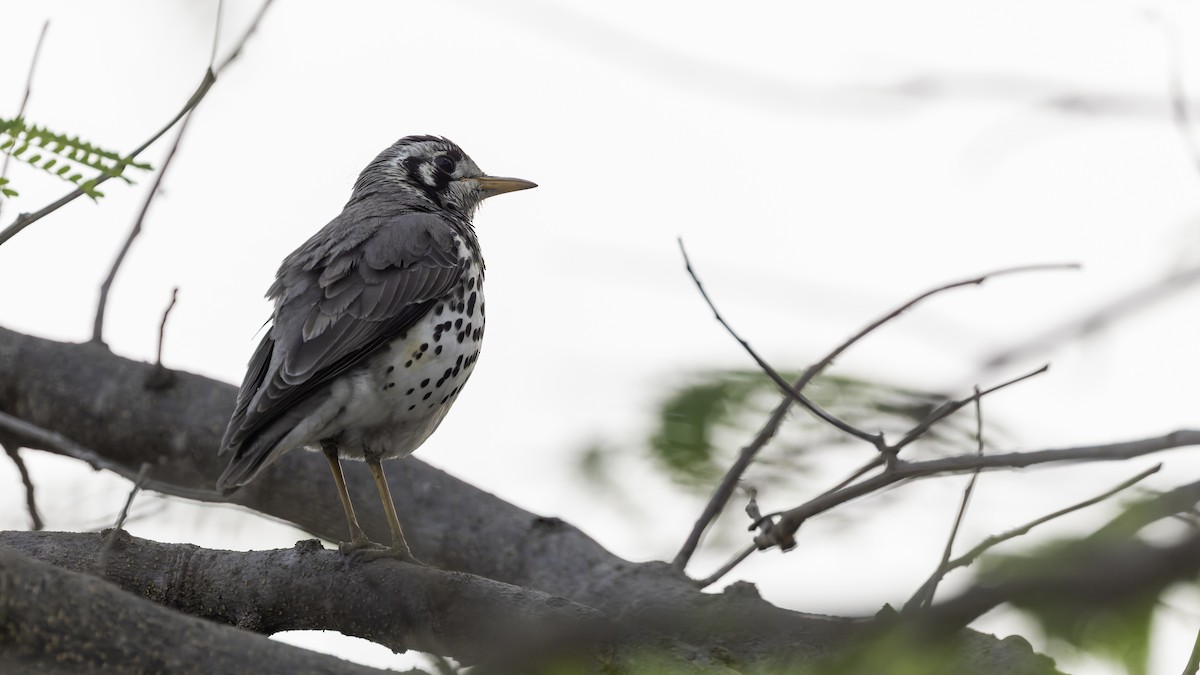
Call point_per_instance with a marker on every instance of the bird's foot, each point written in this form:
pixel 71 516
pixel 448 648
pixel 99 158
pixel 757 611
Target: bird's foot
pixel 361 548
pixel 391 553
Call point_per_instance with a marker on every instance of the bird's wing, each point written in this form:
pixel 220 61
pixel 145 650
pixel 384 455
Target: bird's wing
pixel 337 304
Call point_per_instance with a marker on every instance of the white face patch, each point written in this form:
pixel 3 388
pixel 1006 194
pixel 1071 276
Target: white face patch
pixel 428 174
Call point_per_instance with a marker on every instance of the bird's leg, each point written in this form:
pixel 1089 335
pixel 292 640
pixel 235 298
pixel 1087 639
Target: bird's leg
pixel 399 547
pixel 358 538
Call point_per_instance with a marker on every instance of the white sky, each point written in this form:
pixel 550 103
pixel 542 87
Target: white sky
pixel 774 138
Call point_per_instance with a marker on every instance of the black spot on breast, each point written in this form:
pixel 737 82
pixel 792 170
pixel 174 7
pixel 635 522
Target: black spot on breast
pixel 471 303
pixel 458 361
pixel 426 396
pixel 439 309
pixel 471 285
pixel 391 384
pixel 461 335
pixel 410 391
pixel 447 373
pixel 412 407
pixel 425 383
pixel 461 307
pixel 457 323
pixel 444 399
pixel 408 363
pixel 438 351
pixel 424 346
pixel 418 355
pixel 391 368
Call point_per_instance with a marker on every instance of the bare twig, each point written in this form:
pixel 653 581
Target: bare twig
pixel 1137 300
pixel 781 534
pixel 37 50
pixel 924 595
pixel 37 437
pixel 102 302
pixel 162 326
pixel 14 453
pixel 973 281
pixel 26 219
pixel 727 567
pixel 212 57
pixel 1088 577
pixel 161 377
pixel 950 407
pixel 110 538
pixel 1180 110
pixel 724 490
pixel 874 439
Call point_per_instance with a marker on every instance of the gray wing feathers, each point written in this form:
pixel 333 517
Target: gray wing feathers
pixel 339 297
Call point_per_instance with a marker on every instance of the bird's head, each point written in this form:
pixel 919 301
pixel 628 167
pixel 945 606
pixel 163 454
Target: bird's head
pixel 433 173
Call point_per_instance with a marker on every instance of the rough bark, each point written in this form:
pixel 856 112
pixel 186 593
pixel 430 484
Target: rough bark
pixel 307 587
pixel 90 395
pixel 53 620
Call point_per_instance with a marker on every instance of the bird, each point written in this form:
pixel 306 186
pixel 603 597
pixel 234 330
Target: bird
pixel 377 325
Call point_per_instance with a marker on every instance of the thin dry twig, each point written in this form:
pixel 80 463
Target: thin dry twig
pixel 1138 300
pixel 14 453
pixel 1181 112
pixel 37 50
pixel 965 560
pixel 924 596
pixel 727 567
pixel 111 538
pixel 161 377
pixel 874 439
pixel 136 229
pixel 725 488
pixel 781 534
pixel 950 407
pixel 26 219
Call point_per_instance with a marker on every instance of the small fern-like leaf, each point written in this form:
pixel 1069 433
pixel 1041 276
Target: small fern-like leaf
pixel 63 156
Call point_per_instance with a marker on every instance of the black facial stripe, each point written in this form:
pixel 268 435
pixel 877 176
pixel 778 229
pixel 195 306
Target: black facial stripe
pixel 412 166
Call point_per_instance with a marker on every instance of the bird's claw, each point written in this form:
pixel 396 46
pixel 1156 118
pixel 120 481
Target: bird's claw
pixel 362 548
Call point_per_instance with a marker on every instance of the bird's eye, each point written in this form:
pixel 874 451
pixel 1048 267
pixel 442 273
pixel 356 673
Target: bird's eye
pixel 444 164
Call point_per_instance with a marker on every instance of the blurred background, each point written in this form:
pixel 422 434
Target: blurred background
pixel 823 162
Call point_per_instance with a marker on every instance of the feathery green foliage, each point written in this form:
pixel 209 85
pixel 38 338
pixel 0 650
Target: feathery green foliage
pixel 60 155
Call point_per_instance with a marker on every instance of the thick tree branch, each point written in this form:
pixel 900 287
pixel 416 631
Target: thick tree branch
pixel 307 587
pixel 45 628
pixel 83 391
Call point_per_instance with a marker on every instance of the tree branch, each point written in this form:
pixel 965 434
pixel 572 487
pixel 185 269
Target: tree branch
pixel 397 605
pixel 37 50
pixel 102 302
pixel 46 628
pixel 78 390
pixel 720 497
pixel 14 453
pixel 924 595
pixel 780 534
